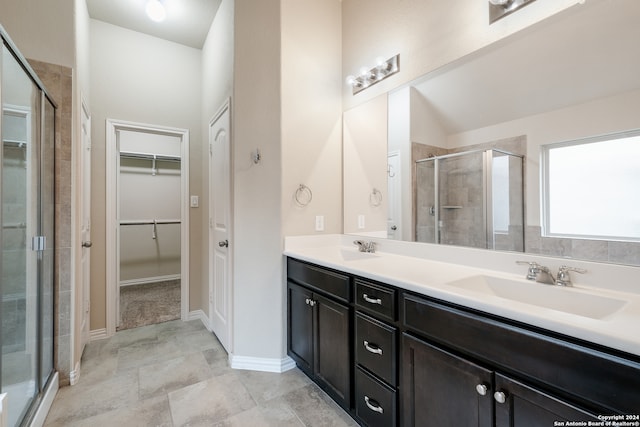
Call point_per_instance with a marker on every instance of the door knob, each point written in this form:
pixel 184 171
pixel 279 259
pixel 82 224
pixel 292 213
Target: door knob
pixel 394 228
pixel 223 243
pixel 87 244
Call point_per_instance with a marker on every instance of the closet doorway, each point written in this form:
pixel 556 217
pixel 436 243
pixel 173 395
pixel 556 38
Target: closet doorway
pixel 148 242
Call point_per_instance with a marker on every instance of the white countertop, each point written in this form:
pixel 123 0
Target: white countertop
pixel 620 330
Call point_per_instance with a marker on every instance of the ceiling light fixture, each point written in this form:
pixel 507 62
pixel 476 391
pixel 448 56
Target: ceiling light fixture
pixel 370 76
pixel 156 11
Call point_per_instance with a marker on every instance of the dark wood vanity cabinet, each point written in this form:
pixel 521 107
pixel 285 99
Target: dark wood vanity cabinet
pixel 391 357
pixel 319 327
pixel 441 388
pixel 504 374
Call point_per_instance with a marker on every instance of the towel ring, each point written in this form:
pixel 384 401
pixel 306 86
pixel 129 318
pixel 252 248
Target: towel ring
pixel 375 198
pixel 303 195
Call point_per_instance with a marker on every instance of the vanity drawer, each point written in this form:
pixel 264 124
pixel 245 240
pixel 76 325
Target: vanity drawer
pixel 320 279
pixel 375 402
pixel 376 298
pixel 376 347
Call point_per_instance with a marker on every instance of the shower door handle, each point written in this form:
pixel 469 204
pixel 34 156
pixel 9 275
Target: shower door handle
pixel 87 244
pixel 223 243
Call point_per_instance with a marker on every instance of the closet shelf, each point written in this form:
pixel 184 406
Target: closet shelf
pixel 149 156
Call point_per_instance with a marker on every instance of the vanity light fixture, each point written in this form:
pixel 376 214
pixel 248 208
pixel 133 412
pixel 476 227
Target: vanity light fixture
pixel 370 76
pixel 156 11
pixel 501 8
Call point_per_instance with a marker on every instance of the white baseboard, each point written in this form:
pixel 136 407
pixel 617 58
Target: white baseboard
pixel 261 364
pixel 146 280
pixel 199 315
pixel 45 404
pixel 74 375
pixel 98 334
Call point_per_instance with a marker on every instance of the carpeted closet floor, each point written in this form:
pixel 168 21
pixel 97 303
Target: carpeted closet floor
pixel 149 304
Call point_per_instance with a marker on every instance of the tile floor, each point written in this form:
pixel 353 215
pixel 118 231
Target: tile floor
pixel 176 374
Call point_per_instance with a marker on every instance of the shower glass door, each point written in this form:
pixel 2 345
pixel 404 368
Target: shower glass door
pixel 27 240
pixel 461 200
pixel 20 130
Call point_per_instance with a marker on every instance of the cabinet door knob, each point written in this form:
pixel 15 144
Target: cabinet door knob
pixel 372 348
pixel 87 244
pixel 373 405
pixel 307 301
pixel 481 389
pixel 500 396
pixel 370 300
pixel 312 302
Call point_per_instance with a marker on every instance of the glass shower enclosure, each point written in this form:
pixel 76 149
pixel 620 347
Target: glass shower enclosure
pixel 27 206
pixel 472 198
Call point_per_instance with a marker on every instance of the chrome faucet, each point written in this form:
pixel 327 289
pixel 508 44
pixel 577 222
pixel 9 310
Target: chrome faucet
pixel 542 274
pixel 365 246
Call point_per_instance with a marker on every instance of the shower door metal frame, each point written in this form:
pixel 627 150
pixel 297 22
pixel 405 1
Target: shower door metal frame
pixel 43 396
pixel 487 193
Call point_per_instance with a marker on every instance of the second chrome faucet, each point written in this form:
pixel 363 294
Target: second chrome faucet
pixel 542 274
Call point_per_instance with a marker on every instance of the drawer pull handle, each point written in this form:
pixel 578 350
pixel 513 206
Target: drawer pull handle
pixel 373 405
pixel 372 349
pixel 372 300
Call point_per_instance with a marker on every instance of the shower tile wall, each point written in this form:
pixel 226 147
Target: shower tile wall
pixel 58 81
pixel 461 201
pixel 14 252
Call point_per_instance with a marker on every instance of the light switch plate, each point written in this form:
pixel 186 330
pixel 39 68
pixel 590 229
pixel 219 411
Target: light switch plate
pixel 360 222
pixel 319 222
pixel 195 201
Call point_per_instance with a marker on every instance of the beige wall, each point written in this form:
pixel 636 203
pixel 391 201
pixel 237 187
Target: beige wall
pixel 311 43
pixel 139 78
pixel 43 30
pixel 217 83
pixel 365 166
pixel 426 33
pixel 257 244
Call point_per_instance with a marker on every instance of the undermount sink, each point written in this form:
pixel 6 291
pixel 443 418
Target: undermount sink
pixel 355 255
pixel 568 300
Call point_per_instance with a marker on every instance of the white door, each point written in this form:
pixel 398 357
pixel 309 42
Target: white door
pixel 219 227
pixel 86 226
pixel 394 222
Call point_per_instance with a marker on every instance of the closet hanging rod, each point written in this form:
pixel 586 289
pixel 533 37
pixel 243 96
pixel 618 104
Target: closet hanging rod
pixel 14 143
pixel 149 156
pixel 150 221
pixel 14 225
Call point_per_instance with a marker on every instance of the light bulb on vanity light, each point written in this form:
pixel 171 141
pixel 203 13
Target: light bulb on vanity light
pixel 351 80
pixel 156 11
pixel 502 3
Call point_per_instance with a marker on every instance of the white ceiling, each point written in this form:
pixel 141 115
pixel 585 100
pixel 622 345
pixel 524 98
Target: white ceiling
pixel 584 55
pixel 187 23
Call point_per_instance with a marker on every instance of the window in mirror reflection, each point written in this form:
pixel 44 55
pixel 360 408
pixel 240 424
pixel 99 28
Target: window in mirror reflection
pixel 592 188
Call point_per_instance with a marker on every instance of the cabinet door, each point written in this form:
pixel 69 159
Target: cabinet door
pixel 520 405
pixel 441 389
pixel 333 355
pixel 300 327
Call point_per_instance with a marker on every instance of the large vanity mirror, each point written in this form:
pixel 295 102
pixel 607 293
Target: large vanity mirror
pixel 482 123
